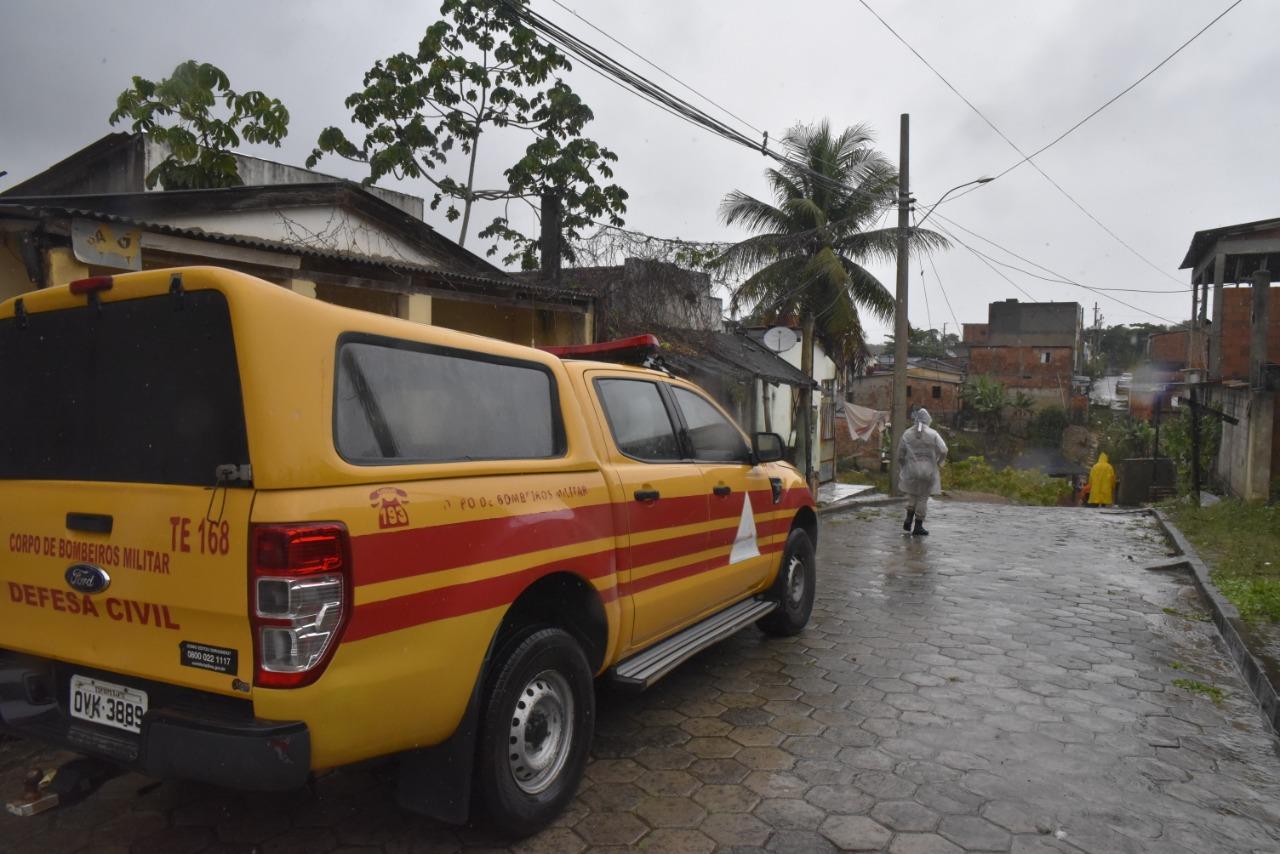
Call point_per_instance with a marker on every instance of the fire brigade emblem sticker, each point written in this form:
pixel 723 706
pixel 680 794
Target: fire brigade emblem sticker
pixel 746 544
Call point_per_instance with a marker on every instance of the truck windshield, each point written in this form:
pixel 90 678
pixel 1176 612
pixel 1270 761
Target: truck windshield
pixel 140 391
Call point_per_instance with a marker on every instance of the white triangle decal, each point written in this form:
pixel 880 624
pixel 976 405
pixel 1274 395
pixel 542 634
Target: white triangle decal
pixel 745 544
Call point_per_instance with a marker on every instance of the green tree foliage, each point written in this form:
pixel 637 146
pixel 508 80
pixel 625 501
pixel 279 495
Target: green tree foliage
pixel 926 343
pixel 806 258
pixel 182 112
pixel 1175 443
pixel 986 399
pixel 1119 348
pixel 1047 427
pixel 476 70
pixel 1022 405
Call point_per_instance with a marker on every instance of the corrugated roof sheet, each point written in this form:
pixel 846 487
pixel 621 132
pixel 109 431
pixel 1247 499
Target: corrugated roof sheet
pixel 727 353
pixel 503 282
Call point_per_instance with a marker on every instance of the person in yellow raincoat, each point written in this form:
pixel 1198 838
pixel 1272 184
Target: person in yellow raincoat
pixel 1102 482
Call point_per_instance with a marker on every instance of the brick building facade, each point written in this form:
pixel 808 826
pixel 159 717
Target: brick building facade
pixel 1032 347
pixel 1237 320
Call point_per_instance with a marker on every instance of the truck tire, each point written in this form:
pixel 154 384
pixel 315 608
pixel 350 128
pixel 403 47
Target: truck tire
pixel 794 588
pixel 539 715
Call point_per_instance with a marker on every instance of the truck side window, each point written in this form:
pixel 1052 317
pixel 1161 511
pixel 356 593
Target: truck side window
pixel 400 402
pixel 714 437
pixel 638 420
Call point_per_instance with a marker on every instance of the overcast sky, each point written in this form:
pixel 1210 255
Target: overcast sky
pixel 1189 149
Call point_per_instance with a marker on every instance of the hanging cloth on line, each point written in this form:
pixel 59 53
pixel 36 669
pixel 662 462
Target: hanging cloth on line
pixel 864 423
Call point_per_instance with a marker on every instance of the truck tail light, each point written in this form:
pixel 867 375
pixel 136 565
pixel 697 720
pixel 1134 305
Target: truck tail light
pixel 91 285
pixel 300 599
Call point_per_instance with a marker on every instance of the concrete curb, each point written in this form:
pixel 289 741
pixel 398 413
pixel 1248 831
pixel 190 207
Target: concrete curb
pixel 1227 618
pixel 855 503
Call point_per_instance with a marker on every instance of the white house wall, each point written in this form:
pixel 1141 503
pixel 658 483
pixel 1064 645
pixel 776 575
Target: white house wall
pixel 781 395
pixel 328 228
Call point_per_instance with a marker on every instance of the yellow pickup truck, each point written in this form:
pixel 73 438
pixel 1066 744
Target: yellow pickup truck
pixel 246 536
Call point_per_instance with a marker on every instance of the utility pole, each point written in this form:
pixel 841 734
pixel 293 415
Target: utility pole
pixel 901 331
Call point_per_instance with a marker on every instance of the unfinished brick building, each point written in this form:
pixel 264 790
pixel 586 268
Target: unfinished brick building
pixel 1236 309
pixel 1033 347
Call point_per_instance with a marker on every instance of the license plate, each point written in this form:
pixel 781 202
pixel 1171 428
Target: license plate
pixel 107 703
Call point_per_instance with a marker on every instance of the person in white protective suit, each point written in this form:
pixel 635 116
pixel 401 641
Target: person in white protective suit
pixel 921 452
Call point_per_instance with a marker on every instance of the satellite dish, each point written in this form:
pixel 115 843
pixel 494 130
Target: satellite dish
pixel 780 339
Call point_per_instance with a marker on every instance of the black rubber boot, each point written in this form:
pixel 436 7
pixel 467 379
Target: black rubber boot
pixel 906 526
pixel 919 530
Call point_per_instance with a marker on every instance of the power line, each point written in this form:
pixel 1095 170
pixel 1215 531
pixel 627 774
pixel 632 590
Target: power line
pixel 941 287
pixel 655 94
pixel 1061 279
pixel 659 68
pixel 1042 149
pixel 924 286
pixel 1047 270
pixel 983 258
pixel 1025 157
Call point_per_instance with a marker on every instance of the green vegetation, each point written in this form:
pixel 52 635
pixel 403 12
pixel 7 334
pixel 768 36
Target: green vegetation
pixel 480 75
pixel 1174 612
pixel 1024 487
pixel 1242 543
pixel 986 399
pixel 926 343
pixel 1197 687
pixel 181 112
pixel 1118 348
pixel 1177 665
pixel 1046 427
pixel 880 480
pixel 824 233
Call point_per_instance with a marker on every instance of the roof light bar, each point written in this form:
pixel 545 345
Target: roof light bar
pixel 634 349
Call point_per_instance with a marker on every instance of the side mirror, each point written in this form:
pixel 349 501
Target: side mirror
pixel 767 447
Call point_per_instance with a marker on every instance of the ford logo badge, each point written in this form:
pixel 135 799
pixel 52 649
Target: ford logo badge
pixel 87 578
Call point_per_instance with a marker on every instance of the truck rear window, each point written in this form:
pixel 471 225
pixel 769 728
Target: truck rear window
pixel 400 402
pixel 139 391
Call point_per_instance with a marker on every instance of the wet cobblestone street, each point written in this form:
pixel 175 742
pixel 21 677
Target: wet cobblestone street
pixel 1006 684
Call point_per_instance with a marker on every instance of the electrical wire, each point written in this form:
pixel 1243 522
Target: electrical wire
pixel 983 258
pixel 941 287
pixel 1061 279
pixel 1025 157
pixel 659 68
pixel 1060 137
pixel 1008 251
pixel 655 94
pixel 924 286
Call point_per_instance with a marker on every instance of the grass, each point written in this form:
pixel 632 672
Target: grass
pixel 1241 542
pixel 880 480
pixel 1197 687
pixel 1174 612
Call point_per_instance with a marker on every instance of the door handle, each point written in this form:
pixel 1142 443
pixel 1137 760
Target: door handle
pixel 647 495
pixel 722 491
pixel 95 523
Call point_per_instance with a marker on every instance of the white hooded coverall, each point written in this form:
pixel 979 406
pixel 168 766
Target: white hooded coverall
pixel 920 453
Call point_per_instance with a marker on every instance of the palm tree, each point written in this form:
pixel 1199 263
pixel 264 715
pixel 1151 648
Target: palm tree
pixel 806 258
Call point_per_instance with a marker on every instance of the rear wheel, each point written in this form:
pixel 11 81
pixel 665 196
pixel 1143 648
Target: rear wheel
pixel 794 588
pixel 538 720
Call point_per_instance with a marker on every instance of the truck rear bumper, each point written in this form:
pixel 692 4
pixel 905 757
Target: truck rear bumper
pixel 189 735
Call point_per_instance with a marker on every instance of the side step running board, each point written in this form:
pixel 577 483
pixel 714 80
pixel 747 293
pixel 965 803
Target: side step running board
pixel 643 669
